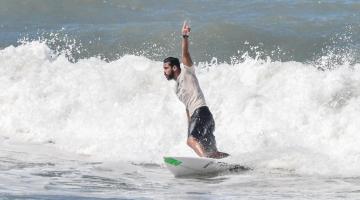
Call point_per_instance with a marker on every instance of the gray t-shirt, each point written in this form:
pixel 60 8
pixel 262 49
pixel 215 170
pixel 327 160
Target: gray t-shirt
pixel 188 89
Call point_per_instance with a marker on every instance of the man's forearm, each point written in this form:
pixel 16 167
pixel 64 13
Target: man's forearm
pixel 186 58
pixel 185 47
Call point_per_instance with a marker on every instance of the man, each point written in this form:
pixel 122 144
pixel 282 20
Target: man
pixel 200 119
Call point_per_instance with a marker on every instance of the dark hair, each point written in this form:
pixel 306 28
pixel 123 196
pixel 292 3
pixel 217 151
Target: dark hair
pixel 172 61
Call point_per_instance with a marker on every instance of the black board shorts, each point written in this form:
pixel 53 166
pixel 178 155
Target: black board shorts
pixel 201 127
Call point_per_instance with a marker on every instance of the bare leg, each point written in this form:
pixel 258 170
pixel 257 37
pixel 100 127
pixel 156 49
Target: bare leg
pixel 196 146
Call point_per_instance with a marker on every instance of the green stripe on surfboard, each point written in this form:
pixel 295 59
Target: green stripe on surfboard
pixel 172 161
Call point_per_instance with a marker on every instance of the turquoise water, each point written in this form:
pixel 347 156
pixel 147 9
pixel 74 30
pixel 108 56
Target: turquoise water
pixel 42 175
pixel 284 30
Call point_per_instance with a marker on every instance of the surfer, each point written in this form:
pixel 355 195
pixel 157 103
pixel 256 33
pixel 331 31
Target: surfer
pixel 201 124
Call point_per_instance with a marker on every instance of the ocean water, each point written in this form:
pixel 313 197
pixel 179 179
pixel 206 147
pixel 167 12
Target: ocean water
pixel 86 112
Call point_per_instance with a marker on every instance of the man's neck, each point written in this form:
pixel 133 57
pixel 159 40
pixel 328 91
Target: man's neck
pixel 177 74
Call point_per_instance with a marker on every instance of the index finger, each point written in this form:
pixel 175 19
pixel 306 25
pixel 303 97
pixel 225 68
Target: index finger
pixel 184 25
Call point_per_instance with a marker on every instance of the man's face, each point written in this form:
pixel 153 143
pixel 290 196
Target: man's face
pixel 168 71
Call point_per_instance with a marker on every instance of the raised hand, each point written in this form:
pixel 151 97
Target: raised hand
pixel 185 29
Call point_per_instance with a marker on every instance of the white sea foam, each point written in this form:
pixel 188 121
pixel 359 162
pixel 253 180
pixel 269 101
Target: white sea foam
pixel 285 115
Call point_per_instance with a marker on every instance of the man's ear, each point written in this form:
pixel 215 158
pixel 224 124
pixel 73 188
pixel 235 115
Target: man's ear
pixel 174 68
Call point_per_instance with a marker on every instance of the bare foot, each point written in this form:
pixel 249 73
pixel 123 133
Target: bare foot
pixel 218 155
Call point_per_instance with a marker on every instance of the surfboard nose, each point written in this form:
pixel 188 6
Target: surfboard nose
pixel 172 161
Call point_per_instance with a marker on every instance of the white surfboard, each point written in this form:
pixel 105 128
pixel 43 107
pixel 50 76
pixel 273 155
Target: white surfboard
pixel 187 166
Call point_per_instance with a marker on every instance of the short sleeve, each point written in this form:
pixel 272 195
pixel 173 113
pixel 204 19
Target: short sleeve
pixel 190 69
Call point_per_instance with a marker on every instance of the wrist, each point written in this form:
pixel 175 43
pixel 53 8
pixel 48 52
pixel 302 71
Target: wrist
pixel 185 36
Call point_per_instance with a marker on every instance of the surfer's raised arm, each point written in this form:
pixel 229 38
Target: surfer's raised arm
pixel 186 58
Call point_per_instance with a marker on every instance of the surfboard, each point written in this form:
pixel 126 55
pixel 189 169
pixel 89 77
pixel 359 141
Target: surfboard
pixel 188 166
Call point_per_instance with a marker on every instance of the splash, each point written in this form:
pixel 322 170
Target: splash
pixel 269 115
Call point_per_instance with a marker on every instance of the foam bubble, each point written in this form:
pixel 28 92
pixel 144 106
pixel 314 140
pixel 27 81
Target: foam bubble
pixel 268 115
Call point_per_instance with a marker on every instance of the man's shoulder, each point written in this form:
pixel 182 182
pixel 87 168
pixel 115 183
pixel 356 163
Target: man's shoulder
pixel 189 69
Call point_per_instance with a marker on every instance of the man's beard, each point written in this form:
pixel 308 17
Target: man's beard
pixel 170 76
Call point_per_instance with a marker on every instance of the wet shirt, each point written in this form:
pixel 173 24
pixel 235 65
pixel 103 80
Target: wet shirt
pixel 188 89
